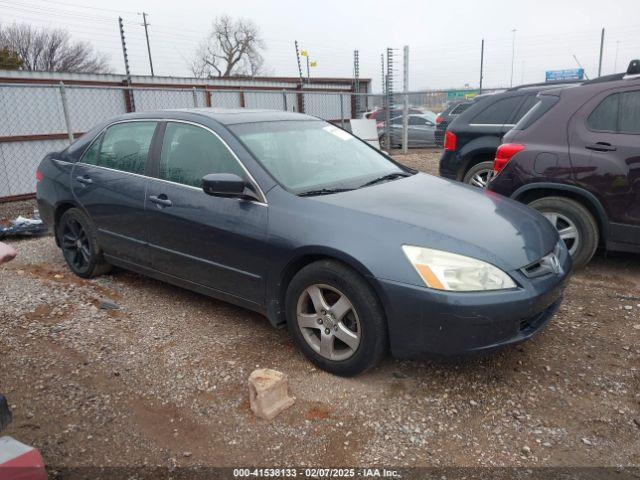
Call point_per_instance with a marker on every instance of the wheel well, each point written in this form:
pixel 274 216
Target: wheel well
pixel 277 315
pixel 60 209
pixel 538 193
pixel 474 160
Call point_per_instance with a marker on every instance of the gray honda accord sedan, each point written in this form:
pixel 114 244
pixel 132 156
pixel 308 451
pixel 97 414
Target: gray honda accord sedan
pixel 297 219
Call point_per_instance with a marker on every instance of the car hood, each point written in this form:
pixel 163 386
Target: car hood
pixel 432 212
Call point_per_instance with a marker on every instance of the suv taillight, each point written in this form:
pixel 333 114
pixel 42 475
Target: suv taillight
pixel 505 152
pixel 439 120
pixel 38 176
pixel 450 141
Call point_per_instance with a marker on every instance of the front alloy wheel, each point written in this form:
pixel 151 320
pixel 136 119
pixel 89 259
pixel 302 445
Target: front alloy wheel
pixel 328 322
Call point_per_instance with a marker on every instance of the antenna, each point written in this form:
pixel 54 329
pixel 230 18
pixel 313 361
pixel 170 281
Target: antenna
pixel 580 65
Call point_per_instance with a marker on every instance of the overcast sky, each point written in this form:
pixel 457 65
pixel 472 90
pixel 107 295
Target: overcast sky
pixel 444 37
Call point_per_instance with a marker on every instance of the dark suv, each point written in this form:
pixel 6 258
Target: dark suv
pixel 447 116
pixel 575 157
pixel 472 139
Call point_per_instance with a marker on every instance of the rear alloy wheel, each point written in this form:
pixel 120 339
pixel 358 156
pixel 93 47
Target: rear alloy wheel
pixel 79 245
pixel 575 225
pixel 479 175
pixel 336 318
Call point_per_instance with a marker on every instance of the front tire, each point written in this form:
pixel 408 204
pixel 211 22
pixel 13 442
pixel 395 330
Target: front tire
pixel 575 224
pixel 335 318
pixel 78 240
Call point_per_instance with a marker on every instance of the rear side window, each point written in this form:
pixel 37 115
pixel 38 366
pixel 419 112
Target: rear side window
pixel 543 104
pixel 190 152
pixel 604 117
pixel 125 146
pixel 529 102
pixel 630 113
pixel 498 113
pixel 90 156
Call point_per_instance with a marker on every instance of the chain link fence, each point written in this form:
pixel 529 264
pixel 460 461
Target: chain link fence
pixel 42 118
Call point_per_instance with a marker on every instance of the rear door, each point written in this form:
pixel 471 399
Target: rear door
pixel 212 241
pixel 421 131
pixel 605 155
pixel 109 182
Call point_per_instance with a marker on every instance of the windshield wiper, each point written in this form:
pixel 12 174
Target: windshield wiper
pixel 323 191
pixel 384 178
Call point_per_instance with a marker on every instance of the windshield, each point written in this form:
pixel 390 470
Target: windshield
pixel 310 155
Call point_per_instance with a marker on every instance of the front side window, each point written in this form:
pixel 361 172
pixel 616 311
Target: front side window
pixel 125 146
pixel 604 117
pixel 309 155
pixel 190 152
pixel 497 113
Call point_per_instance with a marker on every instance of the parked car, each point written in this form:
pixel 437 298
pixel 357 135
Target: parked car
pixel 575 157
pixel 471 140
pixel 446 117
pixel 420 130
pixel 379 114
pixel 297 219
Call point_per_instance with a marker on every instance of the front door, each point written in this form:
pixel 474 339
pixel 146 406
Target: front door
pixel 211 241
pixel 605 156
pixel 109 182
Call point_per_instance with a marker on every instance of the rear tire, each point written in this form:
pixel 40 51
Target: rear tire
pixel 574 223
pixel 79 243
pixel 326 303
pixel 479 174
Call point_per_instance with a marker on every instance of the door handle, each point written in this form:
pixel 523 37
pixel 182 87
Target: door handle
pixel 161 200
pixel 84 180
pixel 601 147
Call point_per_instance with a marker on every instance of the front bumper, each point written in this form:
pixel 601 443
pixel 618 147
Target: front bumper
pixel 424 322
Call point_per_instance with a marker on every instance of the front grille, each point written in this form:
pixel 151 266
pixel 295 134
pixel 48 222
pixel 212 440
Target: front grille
pixel 549 264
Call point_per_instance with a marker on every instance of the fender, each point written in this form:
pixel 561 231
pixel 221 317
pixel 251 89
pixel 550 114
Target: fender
pixel 279 277
pixel 586 195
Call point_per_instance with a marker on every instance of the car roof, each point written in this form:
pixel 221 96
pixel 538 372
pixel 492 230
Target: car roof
pixel 225 116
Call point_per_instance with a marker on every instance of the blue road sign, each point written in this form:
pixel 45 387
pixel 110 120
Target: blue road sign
pixel 559 75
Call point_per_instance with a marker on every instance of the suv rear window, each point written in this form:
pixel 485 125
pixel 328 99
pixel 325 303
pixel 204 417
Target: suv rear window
pixel 458 109
pixel 604 117
pixel 498 113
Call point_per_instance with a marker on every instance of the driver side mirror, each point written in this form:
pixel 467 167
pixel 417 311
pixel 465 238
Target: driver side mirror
pixel 227 185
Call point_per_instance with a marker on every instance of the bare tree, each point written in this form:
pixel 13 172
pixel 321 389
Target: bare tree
pixel 233 47
pixel 51 50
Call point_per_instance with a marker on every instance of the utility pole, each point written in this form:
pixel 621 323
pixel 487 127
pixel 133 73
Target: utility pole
pixel 126 63
pixel 513 54
pixel 601 52
pixel 405 109
pixel 481 64
pixel 146 33
pixel 299 64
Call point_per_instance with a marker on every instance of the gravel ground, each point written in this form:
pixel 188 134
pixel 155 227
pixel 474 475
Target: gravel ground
pixel 162 380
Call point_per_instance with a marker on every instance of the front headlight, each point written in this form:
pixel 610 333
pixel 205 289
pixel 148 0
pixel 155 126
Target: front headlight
pixel 450 271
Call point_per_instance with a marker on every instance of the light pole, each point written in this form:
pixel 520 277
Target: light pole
pixel 615 62
pixel 513 54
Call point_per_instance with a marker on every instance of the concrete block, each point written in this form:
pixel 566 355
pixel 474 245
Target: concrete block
pixel 268 393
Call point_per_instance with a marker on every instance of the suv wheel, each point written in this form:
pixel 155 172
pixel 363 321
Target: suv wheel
pixel 479 175
pixel 336 318
pixel 575 224
pixel 79 244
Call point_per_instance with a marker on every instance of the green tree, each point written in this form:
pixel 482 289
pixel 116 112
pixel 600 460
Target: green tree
pixel 9 60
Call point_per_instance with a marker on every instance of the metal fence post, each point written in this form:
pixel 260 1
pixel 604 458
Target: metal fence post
pixel 284 100
pixel 65 111
pixel 342 110
pixel 405 109
pixel 195 97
